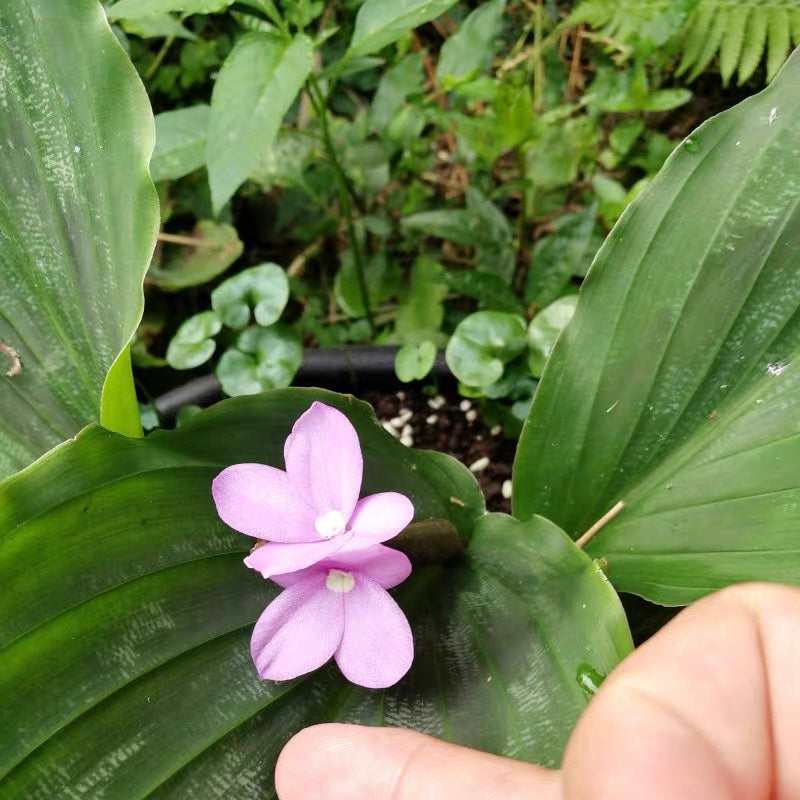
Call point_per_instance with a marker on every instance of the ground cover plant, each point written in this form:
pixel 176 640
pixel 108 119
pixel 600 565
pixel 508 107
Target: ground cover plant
pixel 658 457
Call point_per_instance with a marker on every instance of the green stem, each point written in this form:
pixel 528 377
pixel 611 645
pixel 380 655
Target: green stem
pixel 342 184
pixel 538 64
pixel 151 70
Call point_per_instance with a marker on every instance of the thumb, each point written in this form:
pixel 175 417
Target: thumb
pixel 349 762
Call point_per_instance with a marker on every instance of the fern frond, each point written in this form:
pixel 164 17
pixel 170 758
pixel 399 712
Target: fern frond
pixel 778 41
pixel 730 50
pixel 753 46
pixel 740 33
pixel 711 45
pixel 698 34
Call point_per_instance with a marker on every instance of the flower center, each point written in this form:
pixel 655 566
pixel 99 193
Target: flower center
pixel 339 581
pixel 329 524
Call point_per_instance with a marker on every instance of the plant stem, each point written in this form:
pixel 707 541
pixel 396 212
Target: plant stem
pixel 607 517
pixel 538 64
pixel 342 184
pixel 189 241
pixel 151 70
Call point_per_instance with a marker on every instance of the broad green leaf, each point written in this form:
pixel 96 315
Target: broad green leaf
pixel 381 22
pixel 454 224
pixel 420 314
pixel 482 344
pixel 180 142
pixel 507 122
pixel 471 47
pixel 119 409
pixel 157 27
pixel 262 359
pixel 481 225
pixel 396 84
pixel 622 136
pixel 145 602
pixel 544 330
pixel 491 291
pixel 131 9
pixel 414 361
pixel 676 388
pixel 494 251
pixel 555 158
pixel 556 258
pixel 194 344
pixel 382 277
pixel 78 218
pixel 214 246
pixel 257 84
pixel 262 291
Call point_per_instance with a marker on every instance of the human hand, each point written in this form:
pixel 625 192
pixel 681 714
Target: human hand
pixel 708 708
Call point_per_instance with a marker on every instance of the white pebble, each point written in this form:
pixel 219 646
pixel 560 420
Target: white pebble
pixel 471 415
pixel 405 415
pixel 496 430
pixel 407 431
pixel 401 396
pixel 408 441
pixel 396 422
pixel 387 426
pixel 465 405
pixel 432 419
pixel 436 402
pixel 479 465
pixel 505 489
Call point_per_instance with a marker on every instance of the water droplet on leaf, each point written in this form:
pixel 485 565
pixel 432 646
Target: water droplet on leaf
pixel 589 679
pixel 690 145
pixel 776 367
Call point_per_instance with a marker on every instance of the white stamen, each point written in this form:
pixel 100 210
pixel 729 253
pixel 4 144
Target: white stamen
pixel 339 581
pixel 330 524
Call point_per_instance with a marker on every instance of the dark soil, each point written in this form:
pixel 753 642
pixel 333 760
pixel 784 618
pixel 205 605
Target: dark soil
pixel 450 424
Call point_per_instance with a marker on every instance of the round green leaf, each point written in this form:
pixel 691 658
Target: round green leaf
pixel 482 344
pixel 78 219
pixel 545 328
pixel 263 358
pixel 217 246
pixel 193 344
pixel 414 361
pixel 145 601
pixel 676 389
pixel 264 288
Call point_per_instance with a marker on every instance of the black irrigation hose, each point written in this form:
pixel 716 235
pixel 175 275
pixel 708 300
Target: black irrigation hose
pixel 354 369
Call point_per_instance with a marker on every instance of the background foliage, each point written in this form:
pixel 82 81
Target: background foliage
pixel 405 178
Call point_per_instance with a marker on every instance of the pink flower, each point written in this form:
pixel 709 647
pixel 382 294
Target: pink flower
pixel 338 607
pixel 311 511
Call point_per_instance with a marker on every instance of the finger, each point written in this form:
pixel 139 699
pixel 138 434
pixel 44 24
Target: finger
pixel 349 762
pixel 705 709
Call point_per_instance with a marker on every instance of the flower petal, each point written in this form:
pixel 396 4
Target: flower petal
pixel 387 567
pixel 258 500
pixel 323 460
pixel 277 558
pixel 384 565
pixel 298 631
pixel 377 647
pixel 379 517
